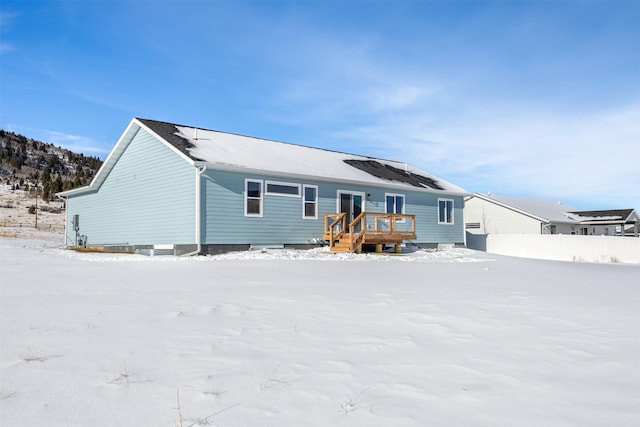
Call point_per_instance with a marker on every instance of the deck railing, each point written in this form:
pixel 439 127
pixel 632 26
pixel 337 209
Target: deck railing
pixel 335 226
pixel 393 226
pixel 369 227
pixel 357 230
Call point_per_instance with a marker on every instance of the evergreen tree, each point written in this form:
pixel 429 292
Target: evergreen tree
pixel 57 185
pixel 46 189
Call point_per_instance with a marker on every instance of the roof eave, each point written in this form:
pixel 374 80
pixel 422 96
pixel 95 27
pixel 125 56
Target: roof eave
pixel 74 192
pixel 390 185
pixel 515 209
pixel 123 141
pixel 109 162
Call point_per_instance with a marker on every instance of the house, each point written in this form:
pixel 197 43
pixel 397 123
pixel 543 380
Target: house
pixel 190 190
pixel 493 214
pixel 608 222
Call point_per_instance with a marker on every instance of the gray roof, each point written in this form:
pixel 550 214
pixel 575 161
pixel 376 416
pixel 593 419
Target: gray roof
pixel 169 133
pixel 223 149
pixel 542 209
pixel 606 216
pixel 559 213
pixel 228 151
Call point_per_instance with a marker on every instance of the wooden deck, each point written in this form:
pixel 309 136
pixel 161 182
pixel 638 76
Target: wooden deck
pixel 368 228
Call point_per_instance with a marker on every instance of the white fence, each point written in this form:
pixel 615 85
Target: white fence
pixel 559 247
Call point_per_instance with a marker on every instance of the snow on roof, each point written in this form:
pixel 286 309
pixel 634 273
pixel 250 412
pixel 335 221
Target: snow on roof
pixel 550 211
pixel 222 149
pixel 557 212
pixel 603 215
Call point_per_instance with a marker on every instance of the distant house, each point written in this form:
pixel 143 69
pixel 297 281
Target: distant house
pixel 608 222
pixel 493 214
pixel 192 190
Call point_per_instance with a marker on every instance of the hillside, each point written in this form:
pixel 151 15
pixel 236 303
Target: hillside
pixel 27 164
pixel 31 172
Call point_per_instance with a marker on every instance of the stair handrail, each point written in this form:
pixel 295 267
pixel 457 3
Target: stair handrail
pixel 356 233
pixel 357 236
pixel 333 233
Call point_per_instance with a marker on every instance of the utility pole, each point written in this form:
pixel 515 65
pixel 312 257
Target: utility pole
pixel 37 205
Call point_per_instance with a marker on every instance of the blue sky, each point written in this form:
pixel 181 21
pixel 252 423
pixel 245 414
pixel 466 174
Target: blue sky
pixel 533 99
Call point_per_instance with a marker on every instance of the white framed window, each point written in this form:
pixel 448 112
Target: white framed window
pixel 351 203
pixel 445 211
pixel 287 189
pixel 310 201
pixel 394 203
pixel 253 197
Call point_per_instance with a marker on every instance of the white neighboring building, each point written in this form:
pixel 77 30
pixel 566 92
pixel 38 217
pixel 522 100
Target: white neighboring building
pixel 492 214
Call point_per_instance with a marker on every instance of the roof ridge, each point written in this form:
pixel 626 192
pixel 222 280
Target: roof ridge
pixel 268 140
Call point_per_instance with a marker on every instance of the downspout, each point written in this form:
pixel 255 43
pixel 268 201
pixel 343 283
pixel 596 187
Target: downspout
pixel 464 224
pixel 199 171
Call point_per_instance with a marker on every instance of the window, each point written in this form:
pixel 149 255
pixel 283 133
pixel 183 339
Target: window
pixel 394 203
pixel 445 211
pixel 253 197
pixel 282 189
pixel 310 202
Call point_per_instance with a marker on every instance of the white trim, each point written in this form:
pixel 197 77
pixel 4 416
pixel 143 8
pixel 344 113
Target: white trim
pixel 453 207
pixel 198 202
pixel 79 190
pixel 246 197
pixel 404 203
pixel 123 141
pixel 199 172
pixel 356 193
pixel 304 201
pixel 118 149
pixel 297 176
pixel 394 195
pixel 284 184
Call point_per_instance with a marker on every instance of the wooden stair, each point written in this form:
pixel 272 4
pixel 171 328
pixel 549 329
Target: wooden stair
pixel 343 244
pixel 368 228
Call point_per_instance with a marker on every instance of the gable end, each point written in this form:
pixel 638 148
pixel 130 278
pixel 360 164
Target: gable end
pixel 169 132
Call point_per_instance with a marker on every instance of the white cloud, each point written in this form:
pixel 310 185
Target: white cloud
pixel 391 97
pixel 592 157
pixel 78 144
pixel 75 143
pixel 475 133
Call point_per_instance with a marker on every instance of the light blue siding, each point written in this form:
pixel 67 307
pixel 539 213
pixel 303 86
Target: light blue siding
pixel 148 198
pixel 425 207
pixel 224 221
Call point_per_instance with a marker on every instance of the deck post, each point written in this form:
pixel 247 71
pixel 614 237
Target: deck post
pixel 352 238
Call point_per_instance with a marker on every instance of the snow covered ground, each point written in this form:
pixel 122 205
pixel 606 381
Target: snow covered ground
pixel 292 338
pixel 14 211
